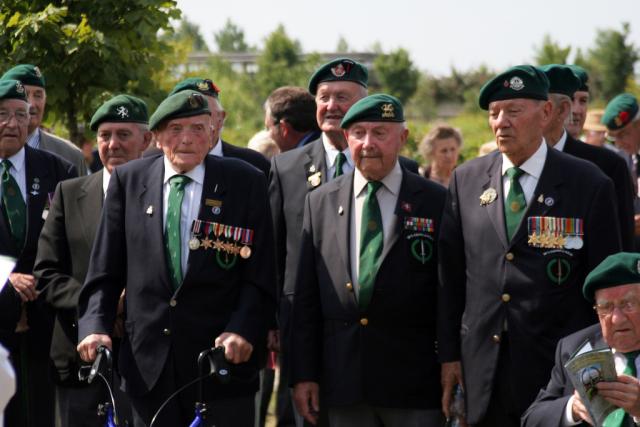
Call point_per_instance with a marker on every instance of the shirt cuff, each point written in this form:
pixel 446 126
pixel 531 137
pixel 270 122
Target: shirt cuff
pixel 568 420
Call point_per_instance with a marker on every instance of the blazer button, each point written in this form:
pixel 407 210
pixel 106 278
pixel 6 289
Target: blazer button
pixel 166 332
pixel 496 338
pixel 509 256
pixel 349 287
pixel 364 321
pixel 173 302
pixel 506 297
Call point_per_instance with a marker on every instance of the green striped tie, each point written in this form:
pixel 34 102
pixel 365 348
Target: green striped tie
pixel 13 205
pixel 618 417
pixel 515 202
pixel 172 239
pixel 371 244
pixel 340 160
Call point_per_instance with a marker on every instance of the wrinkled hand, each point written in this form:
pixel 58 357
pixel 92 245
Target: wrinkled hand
pixel 624 393
pixel 236 348
pixel 450 375
pixel 24 285
pixel 88 346
pixel 579 411
pixel 273 340
pixel 306 396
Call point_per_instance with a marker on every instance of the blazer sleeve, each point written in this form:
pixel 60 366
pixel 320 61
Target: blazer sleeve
pixel 106 275
pixel 624 194
pixel 255 309
pixel 306 336
pixel 452 275
pixel 53 259
pixel 279 226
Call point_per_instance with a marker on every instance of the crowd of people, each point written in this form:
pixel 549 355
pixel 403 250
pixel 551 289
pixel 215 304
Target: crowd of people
pixel 384 291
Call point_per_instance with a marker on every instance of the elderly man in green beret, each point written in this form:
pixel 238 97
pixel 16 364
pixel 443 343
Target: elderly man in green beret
pixel 188 236
pixel 220 148
pixel 563 85
pixel 64 247
pixel 28 179
pixel 364 312
pixel 521 229
pixel 614 288
pixel 34 83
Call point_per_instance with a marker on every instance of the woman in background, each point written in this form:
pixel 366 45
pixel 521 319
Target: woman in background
pixel 441 149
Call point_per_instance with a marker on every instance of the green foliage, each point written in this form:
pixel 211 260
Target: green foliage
pixel 190 33
pixel 88 50
pixel 551 52
pixel 231 38
pixel 611 62
pixel 396 74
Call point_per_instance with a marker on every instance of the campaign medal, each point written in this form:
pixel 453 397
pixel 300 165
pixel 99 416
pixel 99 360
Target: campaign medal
pixel 488 196
pixel 194 243
pixel 554 232
pixel 225 255
pixel 246 240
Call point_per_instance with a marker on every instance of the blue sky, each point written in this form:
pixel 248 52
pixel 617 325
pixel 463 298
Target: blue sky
pixel 463 33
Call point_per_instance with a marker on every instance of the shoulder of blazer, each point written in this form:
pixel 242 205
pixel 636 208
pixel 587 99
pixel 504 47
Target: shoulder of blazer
pixel 248 155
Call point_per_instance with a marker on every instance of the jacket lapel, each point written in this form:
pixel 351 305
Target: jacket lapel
pixel 315 166
pixel 495 209
pixel 36 175
pixel 89 202
pixel 407 199
pixel 341 210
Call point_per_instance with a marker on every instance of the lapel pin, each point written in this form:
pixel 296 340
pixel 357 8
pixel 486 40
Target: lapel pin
pixel 549 201
pixel 406 206
pixel 488 196
pixel 541 198
pixel 312 168
pixel 215 189
pixel 215 210
pixel 150 210
pixel 340 210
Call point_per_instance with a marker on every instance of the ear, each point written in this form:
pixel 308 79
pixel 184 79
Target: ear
pixel 148 136
pixel 285 128
pixel 404 135
pixel 546 115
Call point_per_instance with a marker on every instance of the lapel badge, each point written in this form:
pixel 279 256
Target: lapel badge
pixel 340 210
pixel 312 168
pixel 488 196
pixel 315 179
pixel 215 205
pixel 549 201
pixel 406 206
pixel 541 198
pixel 150 210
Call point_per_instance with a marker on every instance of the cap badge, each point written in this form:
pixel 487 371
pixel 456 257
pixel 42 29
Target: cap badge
pixel 387 111
pixel 338 70
pixel 516 83
pixel 37 71
pixel 203 85
pixel 19 87
pixel 622 118
pixel 195 101
pixel 122 112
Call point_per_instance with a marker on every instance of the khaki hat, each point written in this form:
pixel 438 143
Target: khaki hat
pixel 593 121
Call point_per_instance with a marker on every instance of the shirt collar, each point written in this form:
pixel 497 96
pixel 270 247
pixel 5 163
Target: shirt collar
pixel 196 174
pixel 561 142
pixel 33 140
pixel 17 160
pixel 533 165
pixel 106 176
pixel 217 149
pixel 332 152
pixel 391 182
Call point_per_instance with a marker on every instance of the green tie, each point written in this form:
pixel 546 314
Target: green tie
pixel 340 159
pixel 13 205
pixel 515 201
pixel 618 417
pixel 172 230
pixel 371 243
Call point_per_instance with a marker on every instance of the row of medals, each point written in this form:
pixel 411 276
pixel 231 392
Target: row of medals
pixel 551 241
pixel 219 245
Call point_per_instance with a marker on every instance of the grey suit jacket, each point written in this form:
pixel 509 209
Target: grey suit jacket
pixel 62 261
pixel 64 149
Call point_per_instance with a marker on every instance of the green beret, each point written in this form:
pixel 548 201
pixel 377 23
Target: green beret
pixel 122 109
pixel 562 79
pixel 620 111
pixel 339 70
pixel 374 108
pixel 618 269
pixel 582 75
pixel 521 81
pixel 204 86
pixel 186 103
pixel 12 89
pixel 28 74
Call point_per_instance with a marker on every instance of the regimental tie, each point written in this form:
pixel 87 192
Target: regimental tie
pixel 619 417
pixel 13 205
pixel 515 203
pixel 340 161
pixel 172 240
pixel 371 244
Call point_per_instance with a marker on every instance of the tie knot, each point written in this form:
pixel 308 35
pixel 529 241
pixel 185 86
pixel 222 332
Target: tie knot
pixel 6 164
pixel 179 181
pixel 514 173
pixel 373 186
pixel 631 356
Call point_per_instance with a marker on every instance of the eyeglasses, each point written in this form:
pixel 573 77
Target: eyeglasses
pixel 629 306
pixel 22 116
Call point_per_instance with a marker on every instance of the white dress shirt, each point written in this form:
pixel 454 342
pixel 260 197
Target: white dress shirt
pixel 561 142
pixel 217 149
pixel 190 205
pixel 533 169
pixel 387 196
pixel 330 154
pixel 18 172
pixel 106 176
